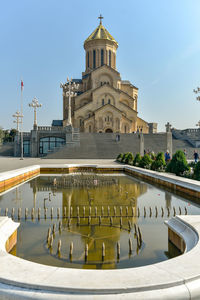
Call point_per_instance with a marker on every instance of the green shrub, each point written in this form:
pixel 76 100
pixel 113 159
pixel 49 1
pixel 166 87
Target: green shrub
pixel 137 160
pixel 124 157
pixel 129 158
pixel 159 163
pixel 119 157
pixel 196 174
pixel 178 164
pixel 192 164
pixel 152 156
pixel 145 162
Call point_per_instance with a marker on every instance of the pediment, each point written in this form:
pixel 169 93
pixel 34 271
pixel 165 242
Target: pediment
pixel 106 88
pixel 111 108
pixel 107 69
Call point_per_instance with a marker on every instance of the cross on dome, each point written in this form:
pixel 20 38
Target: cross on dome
pixel 100 18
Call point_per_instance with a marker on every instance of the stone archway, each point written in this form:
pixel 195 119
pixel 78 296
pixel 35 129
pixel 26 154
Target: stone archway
pixel 108 130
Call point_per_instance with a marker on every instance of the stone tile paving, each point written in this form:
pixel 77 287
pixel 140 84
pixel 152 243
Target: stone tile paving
pixel 12 163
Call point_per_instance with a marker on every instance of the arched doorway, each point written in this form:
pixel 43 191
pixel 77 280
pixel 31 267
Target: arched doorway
pixel 108 130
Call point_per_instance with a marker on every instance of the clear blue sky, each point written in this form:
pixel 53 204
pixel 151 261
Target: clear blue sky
pixel 41 41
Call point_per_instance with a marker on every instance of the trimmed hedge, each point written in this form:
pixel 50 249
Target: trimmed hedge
pixel 129 158
pixel 178 164
pixel 196 174
pixel 137 160
pixel 145 162
pixel 119 157
pixel 159 163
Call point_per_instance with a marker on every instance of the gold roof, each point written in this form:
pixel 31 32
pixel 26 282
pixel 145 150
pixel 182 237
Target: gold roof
pixel 100 33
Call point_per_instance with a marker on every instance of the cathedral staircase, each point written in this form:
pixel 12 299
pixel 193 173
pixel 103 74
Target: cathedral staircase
pixel 105 146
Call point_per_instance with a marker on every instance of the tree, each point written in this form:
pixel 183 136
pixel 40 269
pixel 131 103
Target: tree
pixel 159 163
pixel 137 159
pixel 145 162
pixel 7 137
pixel 129 158
pixel 13 133
pixel 178 164
pixel 1 135
pixel 119 157
pixel 196 174
pixel 124 158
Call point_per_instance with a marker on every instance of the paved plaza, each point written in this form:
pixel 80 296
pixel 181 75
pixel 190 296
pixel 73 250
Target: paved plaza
pixel 12 163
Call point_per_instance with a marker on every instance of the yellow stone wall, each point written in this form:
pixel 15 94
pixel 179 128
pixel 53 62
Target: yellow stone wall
pixel 142 125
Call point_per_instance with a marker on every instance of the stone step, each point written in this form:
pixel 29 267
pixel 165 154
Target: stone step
pixel 95 145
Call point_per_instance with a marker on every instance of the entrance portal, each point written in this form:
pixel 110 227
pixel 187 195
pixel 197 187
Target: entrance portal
pixel 108 130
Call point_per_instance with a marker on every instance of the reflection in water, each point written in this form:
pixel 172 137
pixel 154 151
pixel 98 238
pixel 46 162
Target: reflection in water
pixel 168 199
pixel 93 215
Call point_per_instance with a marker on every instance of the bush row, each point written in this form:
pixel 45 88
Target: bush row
pixel 177 165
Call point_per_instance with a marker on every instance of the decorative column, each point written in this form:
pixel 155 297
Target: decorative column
pixel 18 121
pixel 35 104
pixel 34 133
pixel 17 115
pixel 169 138
pixel 197 91
pixel 141 137
pixel 69 88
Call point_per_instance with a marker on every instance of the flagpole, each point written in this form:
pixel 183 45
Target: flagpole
pixel 22 85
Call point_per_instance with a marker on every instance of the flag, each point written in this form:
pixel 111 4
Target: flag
pixel 22 85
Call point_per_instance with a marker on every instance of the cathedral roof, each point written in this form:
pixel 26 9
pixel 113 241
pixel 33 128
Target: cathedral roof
pixel 100 33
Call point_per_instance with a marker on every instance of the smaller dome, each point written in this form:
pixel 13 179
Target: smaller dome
pixel 100 33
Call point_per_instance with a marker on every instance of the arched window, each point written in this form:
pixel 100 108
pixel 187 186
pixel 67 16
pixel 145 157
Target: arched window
pixel 102 101
pixel 109 59
pixel 94 59
pixel 108 101
pixel 88 59
pixel 102 57
pixel 125 128
pixel 90 128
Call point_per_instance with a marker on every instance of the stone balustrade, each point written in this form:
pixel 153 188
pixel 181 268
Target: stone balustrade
pixel 50 128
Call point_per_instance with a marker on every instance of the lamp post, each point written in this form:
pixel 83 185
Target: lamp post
pixel 169 137
pixel 35 104
pixel 168 127
pixel 69 90
pixel 17 115
pixel 198 124
pixel 197 91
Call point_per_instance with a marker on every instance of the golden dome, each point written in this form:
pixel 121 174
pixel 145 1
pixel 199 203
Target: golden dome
pixel 100 33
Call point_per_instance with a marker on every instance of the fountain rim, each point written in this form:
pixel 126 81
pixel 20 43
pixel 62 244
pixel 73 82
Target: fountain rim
pixel 181 274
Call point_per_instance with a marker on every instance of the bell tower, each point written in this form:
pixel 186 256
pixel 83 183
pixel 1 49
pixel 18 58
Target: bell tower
pixel 100 49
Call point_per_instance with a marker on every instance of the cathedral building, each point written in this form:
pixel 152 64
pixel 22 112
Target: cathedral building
pixel 104 102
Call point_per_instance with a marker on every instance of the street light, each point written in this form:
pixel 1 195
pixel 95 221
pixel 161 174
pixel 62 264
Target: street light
pixel 168 127
pixel 69 90
pixel 35 104
pixel 197 91
pixel 17 115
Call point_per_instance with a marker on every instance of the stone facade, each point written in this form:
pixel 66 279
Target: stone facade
pixel 104 102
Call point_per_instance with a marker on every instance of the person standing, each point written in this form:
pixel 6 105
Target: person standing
pixel 196 156
pixel 167 156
